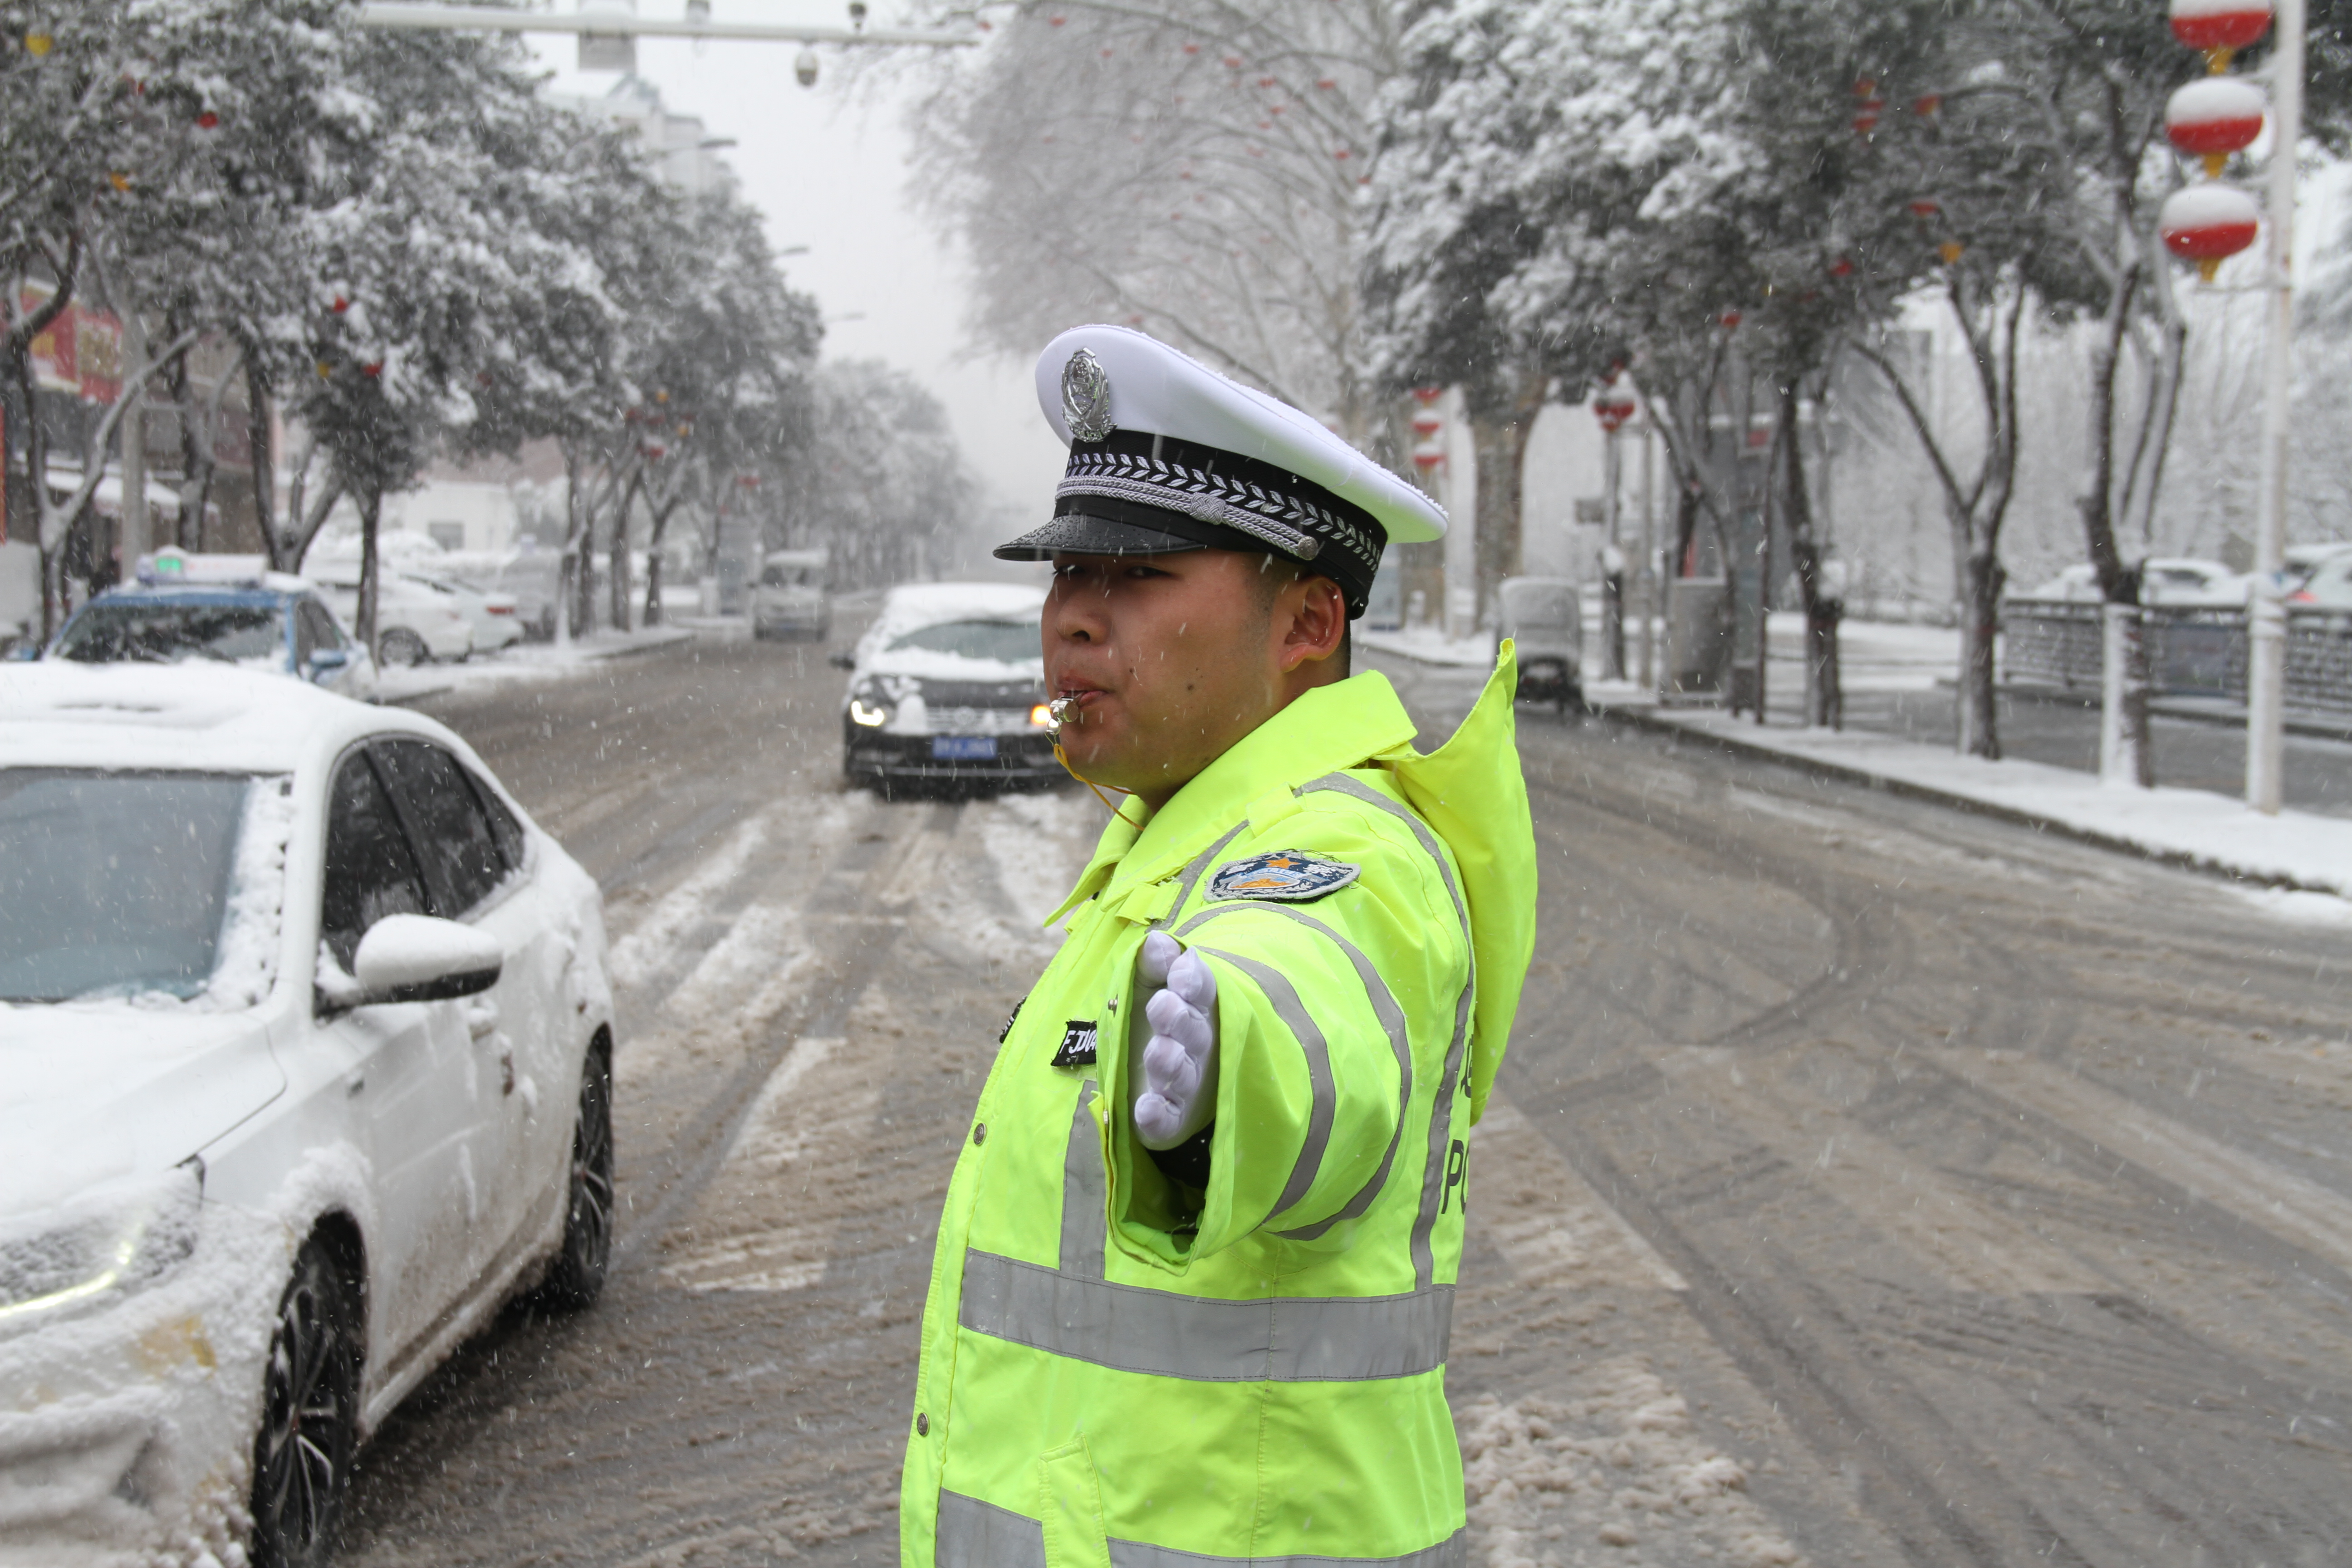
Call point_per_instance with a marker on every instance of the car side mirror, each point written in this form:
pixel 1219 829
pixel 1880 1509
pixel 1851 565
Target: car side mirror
pixel 327 660
pixel 840 661
pixel 416 958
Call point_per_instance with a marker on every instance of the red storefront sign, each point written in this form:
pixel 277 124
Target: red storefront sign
pixel 81 351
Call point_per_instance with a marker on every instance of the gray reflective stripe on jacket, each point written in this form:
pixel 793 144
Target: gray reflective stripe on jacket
pixel 1391 1016
pixel 1086 1200
pixel 1323 1103
pixel 1440 1121
pixel 976 1534
pixel 1276 1339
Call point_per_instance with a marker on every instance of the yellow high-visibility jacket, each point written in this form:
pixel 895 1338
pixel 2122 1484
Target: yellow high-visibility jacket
pixel 1118 1368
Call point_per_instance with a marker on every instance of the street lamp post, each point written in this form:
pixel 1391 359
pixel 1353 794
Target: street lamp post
pixel 2206 223
pixel 1645 575
pixel 2266 628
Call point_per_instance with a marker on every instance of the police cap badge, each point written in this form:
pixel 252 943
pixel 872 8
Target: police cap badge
pixel 1283 876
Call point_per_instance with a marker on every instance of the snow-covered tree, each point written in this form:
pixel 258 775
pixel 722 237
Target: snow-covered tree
pixel 90 143
pixel 883 480
pixel 1451 221
pixel 732 347
pixel 1572 185
pixel 1188 166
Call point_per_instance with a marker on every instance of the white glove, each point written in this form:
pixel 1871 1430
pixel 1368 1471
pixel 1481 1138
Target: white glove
pixel 1176 1092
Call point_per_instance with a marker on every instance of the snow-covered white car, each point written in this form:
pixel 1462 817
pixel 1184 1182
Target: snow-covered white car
pixel 490 616
pixel 2327 587
pixel 413 622
pixel 305 1067
pixel 949 685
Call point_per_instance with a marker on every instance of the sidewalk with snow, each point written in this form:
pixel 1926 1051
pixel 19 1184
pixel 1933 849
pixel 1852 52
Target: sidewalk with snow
pixel 522 662
pixel 2298 851
pixel 2295 849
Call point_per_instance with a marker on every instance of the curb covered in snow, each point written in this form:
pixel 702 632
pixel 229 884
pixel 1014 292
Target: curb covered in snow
pixel 525 661
pixel 2194 828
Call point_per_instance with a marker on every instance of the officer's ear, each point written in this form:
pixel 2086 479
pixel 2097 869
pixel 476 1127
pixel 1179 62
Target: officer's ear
pixel 1312 615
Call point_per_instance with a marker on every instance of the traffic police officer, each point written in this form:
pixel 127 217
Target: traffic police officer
pixel 1195 1272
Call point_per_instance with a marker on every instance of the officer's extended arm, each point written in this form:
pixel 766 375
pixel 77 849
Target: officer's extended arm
pixel 1176 1092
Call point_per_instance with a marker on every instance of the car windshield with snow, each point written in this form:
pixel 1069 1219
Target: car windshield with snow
pixel 307 1037
pixel 948 686
pixel 113 884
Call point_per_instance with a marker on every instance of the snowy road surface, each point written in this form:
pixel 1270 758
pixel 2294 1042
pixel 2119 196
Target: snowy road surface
pixel 1867 1184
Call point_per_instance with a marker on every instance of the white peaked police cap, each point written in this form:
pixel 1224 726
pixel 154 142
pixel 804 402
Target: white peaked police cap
pixel 1166 454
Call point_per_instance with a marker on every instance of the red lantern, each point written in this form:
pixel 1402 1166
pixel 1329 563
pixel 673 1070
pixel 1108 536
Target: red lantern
pixel 1613 408
pixel 1924 208
pixel 2209 224
pixel 1925 105
pixel 1842 267
pixel 1427 458
pixel 2214 118
pixel 208 120
pixel 372 369
pixel 748 481
pixel 1426 422
pixel 1729 321
pixel 1425 395
pixel 1865 119
pixel 2219 28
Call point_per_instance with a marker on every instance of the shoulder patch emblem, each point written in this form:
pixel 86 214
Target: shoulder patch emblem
pixel 1285 875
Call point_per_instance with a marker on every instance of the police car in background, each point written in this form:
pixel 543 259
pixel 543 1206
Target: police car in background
pixel 948 686
pixel 220 609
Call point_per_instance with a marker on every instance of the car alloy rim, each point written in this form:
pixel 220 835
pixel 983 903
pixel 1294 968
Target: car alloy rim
pixel 592 1168
pixel 305 1419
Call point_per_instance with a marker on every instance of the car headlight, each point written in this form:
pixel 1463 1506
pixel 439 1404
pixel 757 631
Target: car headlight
pixel 859 713
pixel 120 1236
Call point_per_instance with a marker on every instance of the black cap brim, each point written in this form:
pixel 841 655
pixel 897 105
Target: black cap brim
pixel 1087 533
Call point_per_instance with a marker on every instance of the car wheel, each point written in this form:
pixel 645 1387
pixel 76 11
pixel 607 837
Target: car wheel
pixel 577 1275
pixel 310 1414
pixel 400 646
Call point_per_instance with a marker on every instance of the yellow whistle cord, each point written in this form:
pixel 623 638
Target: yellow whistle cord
pixel 1064 758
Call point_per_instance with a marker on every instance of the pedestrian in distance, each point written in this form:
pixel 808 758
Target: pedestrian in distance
pixel 1195 1272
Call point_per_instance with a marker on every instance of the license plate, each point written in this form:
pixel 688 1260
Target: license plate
pixel 964 748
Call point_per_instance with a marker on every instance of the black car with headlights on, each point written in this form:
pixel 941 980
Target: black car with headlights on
pixel 948 687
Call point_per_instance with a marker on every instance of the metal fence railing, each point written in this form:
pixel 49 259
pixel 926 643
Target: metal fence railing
pixel 2191 652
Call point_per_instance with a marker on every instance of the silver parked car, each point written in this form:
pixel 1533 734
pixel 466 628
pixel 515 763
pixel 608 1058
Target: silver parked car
pixel 790 598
